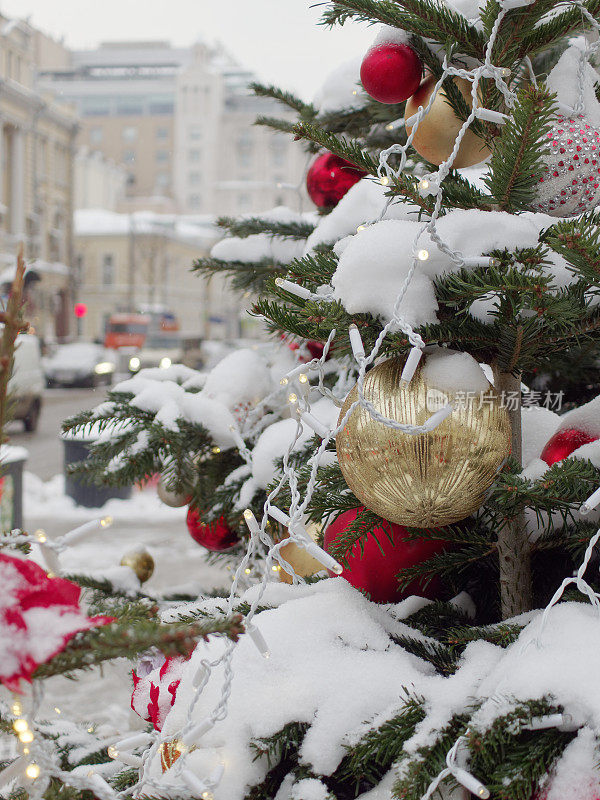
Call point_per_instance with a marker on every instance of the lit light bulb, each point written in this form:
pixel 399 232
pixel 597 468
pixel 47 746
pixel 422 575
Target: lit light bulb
pixel 384 181
pixel 506 72
pixel 182 747
pixel 303 378
pixel 423 255
pixel 275 567
pixel 248 514
pixel 25 751
pixel 247 571
pixel 106 522
pixel 389 126
pixel 208 795
pixel 57 710
pixel 361 228
pixel 355 91
pixel 292 398
pixel 32 771
pixel 112 751
pixel 278 281
pixel 20 725
pixel 284 381
pixel 17 708
pixel 216 451
pixel 40 535
pixel 90 729
pixel 424 184
pixel 26 737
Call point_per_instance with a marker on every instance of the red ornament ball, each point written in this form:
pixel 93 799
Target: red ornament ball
pixel 563 443
pixel 329 178
pixel 374 571
pixel 391 73
pixel 216 536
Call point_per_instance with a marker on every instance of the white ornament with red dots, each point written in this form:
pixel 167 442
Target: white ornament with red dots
pixel 571 183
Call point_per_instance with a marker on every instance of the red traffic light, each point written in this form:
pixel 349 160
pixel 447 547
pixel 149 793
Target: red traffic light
pixel 80 310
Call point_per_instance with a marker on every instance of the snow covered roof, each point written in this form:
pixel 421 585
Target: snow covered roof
pixel 100 222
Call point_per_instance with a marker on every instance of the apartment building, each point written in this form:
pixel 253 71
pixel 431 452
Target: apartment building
pixel 180 121
pixel 37 148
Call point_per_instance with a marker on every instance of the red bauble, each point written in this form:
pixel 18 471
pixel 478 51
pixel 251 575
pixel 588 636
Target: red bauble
pixel 563 443
pixel 314 348
pixel 391 73
pixel 376 572
pixel 216 536
pixel 329 178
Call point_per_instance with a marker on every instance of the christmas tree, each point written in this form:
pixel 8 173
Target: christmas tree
pixel 402 431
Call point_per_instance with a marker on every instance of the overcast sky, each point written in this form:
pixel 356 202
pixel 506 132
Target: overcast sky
pixel 279 39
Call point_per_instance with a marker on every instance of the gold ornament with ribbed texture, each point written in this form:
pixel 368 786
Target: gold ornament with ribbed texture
pixel 141 562
pixel 431 479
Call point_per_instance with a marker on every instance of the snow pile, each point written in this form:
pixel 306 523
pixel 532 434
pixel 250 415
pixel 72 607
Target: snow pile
pixel 325 638
pixel 564 77
pixel 363 203
pixel 260 246
pixel 375 262
pixel 341 90
pixel 450 371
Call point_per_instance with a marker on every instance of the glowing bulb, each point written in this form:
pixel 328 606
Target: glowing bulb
pixel 278 281
pixel 389 126
pixel 50 575
pixel 32 771
pixel 505 72
pixel 355 91
pixel 216 451
pixel 181 747
pixel 20 725
pixel 303 378
pixel 26 737
pixel 384 181
pixel 275 567
pixel 25 751
pixel 106 522
pixel 209 795
pixel 361 228
pixel 284 381
pixel 247 571
pixel 248 514
pixel 90 729
pixel 424 184
pixel 292 398
pixel 40 535
pixel 17 708
pixel 112 751
pixel 423 255
pixel 58 711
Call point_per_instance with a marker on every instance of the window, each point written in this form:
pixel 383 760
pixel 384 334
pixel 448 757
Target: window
pixel 129 133
pixel 195 201
pixel 128 156
pixel 108 269
pixel 195 133
pixel 162 133
pixel 130 108
pixel 96 135
pixel 162 179
pixel 162 156
pixel 95 107
pixel 195 178
pixel 278 150
pixel 194 156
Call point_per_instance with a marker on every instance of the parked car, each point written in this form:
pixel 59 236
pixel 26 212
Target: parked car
pixel 80 364
pixel 27 381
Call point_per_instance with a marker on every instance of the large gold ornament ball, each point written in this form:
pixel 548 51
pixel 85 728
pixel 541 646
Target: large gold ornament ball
pixel 425 480
pixel 303 564
pixel 437 131
pixel 169 498
pixel 141 562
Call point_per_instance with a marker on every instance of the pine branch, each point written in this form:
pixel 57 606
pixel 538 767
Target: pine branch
pixel 517 160
pixel 286 98
pixel 339 145
pixel 250 226
pixel 123 640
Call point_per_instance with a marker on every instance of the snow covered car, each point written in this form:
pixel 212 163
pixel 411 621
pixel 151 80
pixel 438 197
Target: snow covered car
pixel 79 364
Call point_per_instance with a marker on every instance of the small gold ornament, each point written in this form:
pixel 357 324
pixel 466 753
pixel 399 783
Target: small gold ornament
pixel 141 562
pixel 169 753
pixel 304 564
pixel 437 131
pixel 428 480
pixel 173 499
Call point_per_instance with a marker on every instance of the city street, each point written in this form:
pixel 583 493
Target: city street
pixel 44 446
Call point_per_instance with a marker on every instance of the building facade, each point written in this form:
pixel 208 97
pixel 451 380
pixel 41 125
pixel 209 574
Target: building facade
pixel 130 262
pixel 99 182
pixel 37 150
pixel 180 121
